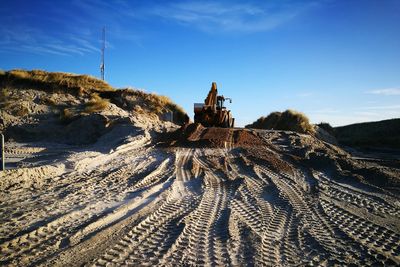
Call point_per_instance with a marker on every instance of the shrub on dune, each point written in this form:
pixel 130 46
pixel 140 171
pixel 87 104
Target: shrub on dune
pixel 289 120
pixel 96 104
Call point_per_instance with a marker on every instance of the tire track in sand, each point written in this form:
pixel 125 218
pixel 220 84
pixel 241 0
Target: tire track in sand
pixel 59 233
pixel 308 214
pixel 148 242
pixel 384 242
pixel 150 239
pixel 203 239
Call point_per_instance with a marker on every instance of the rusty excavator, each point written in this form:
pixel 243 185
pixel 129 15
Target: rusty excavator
pixel 213 113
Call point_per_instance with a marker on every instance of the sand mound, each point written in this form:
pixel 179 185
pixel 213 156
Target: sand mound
pixel 74 109
pixel 289 120
pixel 30 178
pixel 195 135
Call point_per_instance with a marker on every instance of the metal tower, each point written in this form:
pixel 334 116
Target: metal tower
pixel 103 47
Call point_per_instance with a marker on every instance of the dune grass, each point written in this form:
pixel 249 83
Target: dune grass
pixel 4 97
pixel 66 114
pixel 141 101
pixel 160 104
pixel 96 104
pixel 289 120
pixel 52 81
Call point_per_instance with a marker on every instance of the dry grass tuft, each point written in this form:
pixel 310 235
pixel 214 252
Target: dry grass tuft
pixel 52 81
pixel 151 103
pixel 6 99
pixel 288 120
pixel 160 104
pixel 48 101
pixel 67 114
pixel 22 111
pixel 96 104
pixel 295 121
pixel 4 95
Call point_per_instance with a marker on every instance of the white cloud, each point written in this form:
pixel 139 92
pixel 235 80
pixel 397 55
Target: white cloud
pixel 29 39
pixel 215 16
pixel 387 91
pixel 29 32
pixel 79 36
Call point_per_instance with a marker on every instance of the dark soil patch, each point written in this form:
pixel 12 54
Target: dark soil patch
pixel 265 157
pixel 195 135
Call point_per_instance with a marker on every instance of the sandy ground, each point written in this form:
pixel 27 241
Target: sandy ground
pixel 236 203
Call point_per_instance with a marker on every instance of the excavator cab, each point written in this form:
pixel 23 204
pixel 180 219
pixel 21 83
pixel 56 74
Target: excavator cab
pixel 213 113
pixel 220 102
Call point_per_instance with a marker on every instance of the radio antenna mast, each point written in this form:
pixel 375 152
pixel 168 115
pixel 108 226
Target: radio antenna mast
pixel 103 47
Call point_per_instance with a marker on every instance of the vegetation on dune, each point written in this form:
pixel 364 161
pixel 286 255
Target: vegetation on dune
pixel 4 98
pixel 142 102
pixel 96 104
pixel 66 115
pixel 288 120
pixel 379 134
pixel 52 81
pixel 160 104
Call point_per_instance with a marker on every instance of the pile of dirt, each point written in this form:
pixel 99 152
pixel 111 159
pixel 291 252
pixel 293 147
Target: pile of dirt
pixel 196 135
pixel 270 158
pixel 247 138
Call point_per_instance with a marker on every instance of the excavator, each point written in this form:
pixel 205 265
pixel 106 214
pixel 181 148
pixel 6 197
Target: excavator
pixel 213 113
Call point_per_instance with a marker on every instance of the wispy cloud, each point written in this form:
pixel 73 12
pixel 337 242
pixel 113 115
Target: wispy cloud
pixel 50 31
pixel 77 33
pixel 386 91
pixel 231 16
pixel 31 40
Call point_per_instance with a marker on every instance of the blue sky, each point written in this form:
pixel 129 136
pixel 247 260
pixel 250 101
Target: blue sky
pixel 336 61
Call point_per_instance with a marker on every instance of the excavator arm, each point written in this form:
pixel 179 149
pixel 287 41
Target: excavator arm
pixel 211 99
